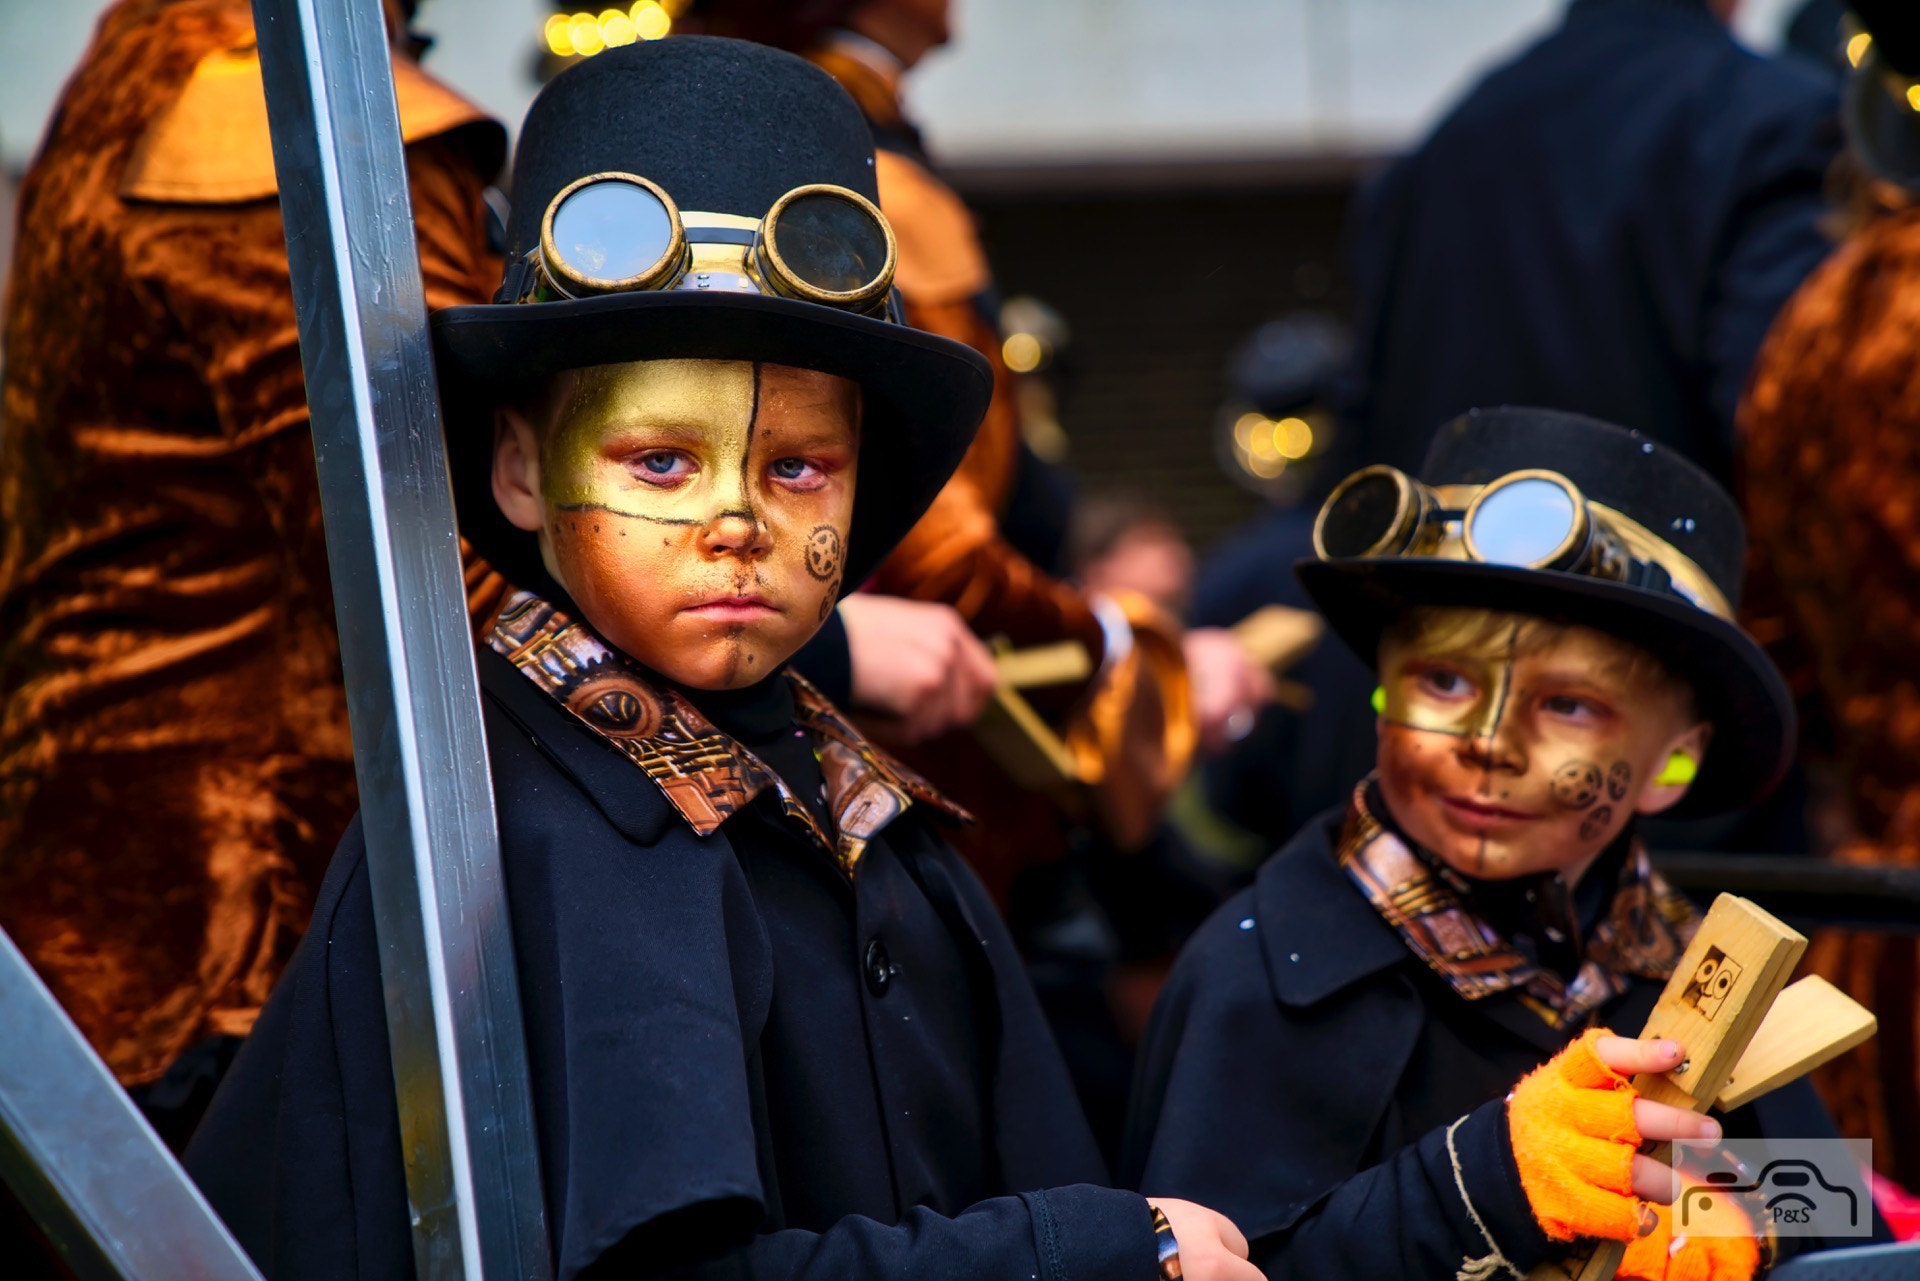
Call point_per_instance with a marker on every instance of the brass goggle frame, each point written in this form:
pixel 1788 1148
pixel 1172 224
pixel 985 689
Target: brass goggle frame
pixel 1417 520
pixel 721 252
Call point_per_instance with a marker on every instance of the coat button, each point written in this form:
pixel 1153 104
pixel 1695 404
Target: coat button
pixel 879 968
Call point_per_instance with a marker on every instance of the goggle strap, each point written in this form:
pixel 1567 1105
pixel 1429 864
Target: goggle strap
pixel 518 279
pixel 721 235
pixel 1651 576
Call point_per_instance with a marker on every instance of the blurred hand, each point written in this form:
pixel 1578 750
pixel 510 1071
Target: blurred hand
pixel 1211 1248
pixel 916 663
pixel 1229 689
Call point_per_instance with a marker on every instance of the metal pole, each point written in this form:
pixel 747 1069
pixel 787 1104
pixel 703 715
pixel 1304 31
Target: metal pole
pixel 426 799
pixel 85 1163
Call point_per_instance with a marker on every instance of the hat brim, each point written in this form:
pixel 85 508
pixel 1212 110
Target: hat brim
pixel 1737 687
pixel 924 395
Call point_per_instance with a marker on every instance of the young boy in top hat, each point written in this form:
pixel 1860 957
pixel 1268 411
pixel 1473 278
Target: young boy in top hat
pixel 774 1027
pixel 1550 608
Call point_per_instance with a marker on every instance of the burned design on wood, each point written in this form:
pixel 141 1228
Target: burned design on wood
pixel 1712 982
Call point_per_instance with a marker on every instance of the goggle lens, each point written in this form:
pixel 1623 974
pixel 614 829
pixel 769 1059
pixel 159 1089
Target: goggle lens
pixel 1367 511
pixel 829 243
pixel 1524 522
pixel 607 233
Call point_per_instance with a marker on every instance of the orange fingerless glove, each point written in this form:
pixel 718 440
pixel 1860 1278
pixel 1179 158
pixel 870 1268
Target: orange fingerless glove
pixel 1571 1122
pixel 1730 1254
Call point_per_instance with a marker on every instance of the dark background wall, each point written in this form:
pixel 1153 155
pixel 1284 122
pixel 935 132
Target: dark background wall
pixel 1161 274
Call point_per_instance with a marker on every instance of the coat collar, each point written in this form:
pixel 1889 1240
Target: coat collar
pixel 704 774
pixel 1644 927
pixel 1318 934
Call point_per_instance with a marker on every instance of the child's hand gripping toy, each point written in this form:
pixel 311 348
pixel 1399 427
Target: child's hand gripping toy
pixel 1578 1122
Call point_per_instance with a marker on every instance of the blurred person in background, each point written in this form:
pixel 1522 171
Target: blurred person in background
pixel 1607 224
pixel 1122 540
pixel 175 763
pixel 1830 434
pixel 1290 763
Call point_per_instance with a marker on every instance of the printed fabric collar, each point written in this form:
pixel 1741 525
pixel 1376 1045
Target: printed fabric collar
pixel 1642 934
pixel 706 775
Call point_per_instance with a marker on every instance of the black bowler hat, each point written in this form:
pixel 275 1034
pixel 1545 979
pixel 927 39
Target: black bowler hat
pixel 724 128
pixel 1672 591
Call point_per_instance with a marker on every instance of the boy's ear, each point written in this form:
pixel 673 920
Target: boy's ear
pixel 516 470
pixel 1673 777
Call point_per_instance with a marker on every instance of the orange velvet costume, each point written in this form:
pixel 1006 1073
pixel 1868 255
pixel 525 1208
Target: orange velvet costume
pixel 175 764
pixel 1831 436
pixel 1131 732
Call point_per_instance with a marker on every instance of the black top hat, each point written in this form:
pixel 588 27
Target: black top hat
pixel 724 127
pixel 1738 688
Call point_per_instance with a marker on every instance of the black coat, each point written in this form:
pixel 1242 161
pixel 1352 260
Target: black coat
pixel 725 1070
pixel 1607 224
pixel 1302 1065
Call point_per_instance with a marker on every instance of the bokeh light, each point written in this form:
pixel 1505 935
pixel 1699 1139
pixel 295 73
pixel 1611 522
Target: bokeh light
pixel 1023 353
pixel 581 35
pixel 1857 48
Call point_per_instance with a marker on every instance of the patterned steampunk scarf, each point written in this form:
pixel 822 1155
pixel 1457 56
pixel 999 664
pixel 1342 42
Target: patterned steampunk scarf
pixel 1645 927
pixel 705 773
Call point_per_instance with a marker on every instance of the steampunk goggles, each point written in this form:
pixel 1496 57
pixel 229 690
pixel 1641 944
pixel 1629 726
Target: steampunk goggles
pixel 1532 519
pixel 613 233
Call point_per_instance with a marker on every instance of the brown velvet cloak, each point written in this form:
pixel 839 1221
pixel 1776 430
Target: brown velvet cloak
pixel 175 764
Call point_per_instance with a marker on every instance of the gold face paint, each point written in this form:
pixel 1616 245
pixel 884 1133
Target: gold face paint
pixel 697 510
pixel 1516 759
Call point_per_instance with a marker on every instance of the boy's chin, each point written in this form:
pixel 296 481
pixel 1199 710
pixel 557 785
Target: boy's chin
pixel 718 664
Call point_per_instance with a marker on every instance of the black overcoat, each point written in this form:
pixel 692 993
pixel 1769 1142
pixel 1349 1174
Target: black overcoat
pixel 1606 224
pixel 1301 1068
pixel 740 1057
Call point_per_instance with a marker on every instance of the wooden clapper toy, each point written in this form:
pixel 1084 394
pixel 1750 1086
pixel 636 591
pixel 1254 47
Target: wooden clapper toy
pixel 1745 1032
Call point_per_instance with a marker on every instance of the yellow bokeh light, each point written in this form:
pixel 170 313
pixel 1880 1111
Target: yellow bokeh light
pixel 1266 468
pixel 1913 96
pixel 1247 426
pixel 651 21
pixel 1022 352
pixel 585 32
pixel 617 29
pixel 1857 48
pixel 1292 438
pixel 559 40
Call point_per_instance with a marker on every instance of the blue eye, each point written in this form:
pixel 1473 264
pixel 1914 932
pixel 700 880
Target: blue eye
pixel 661 465
pixel 790 468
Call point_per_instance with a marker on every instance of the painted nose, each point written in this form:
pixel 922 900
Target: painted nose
pixel 736 533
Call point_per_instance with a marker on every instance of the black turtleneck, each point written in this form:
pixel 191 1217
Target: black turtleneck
pixel 761 718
